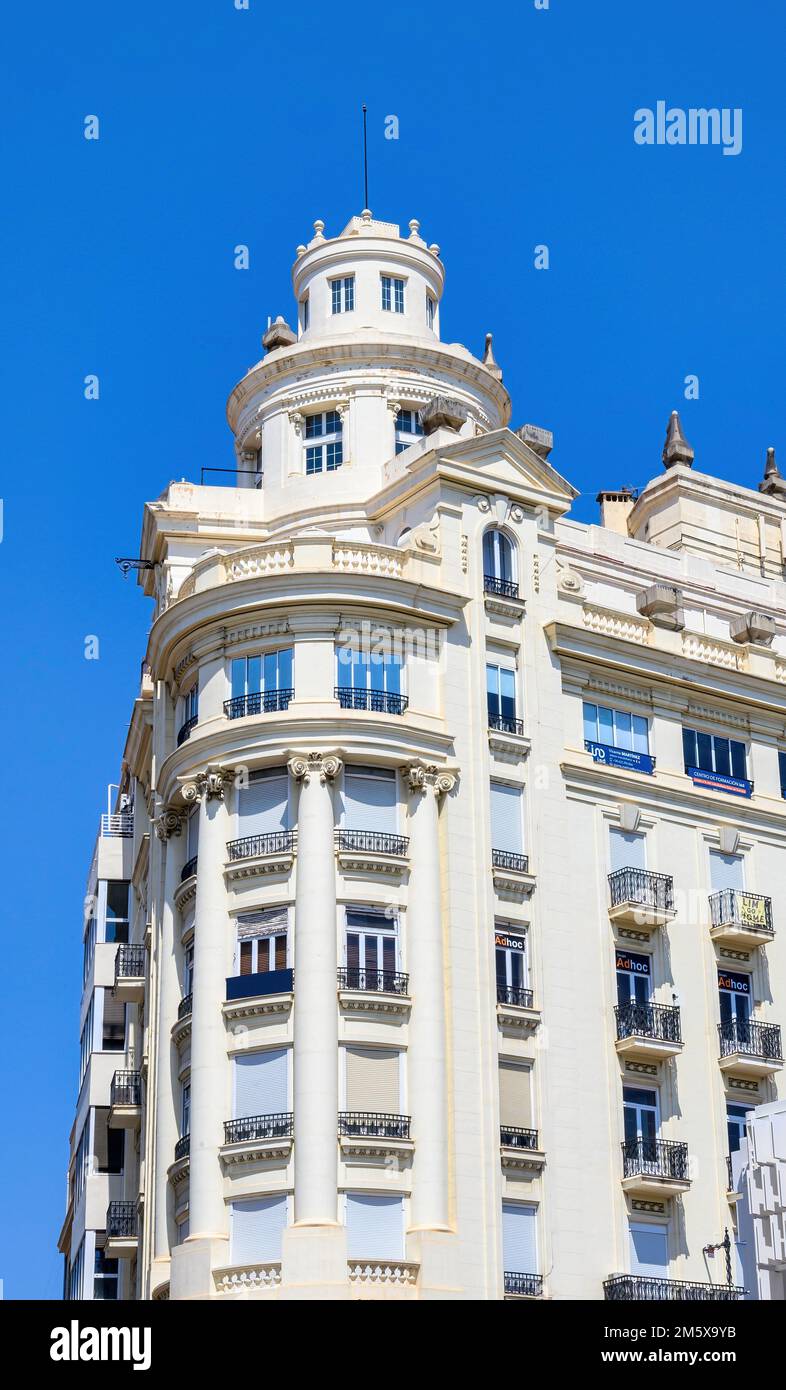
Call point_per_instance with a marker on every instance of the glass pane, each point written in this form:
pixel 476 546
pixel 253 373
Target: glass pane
pixel 704 752
pixel 502 966
pixel 344 660
pixel 605 725
pixel 117 899
pixel 377 670
pixel 246 954
pixel 488 554
pixel 689 748
pixel 591 722
pixel 353 951
pixel 281 953
pixel 389 954
pixel 640 734
pixel 722 756
pixel 269 671
pixel 254 675
pixel 508 684
pixel 505 557
pixel 393 674
pixel 285 681
pixel 624 730
pixel 360 670
pixel 517 969
pixel 492 691
pixel 372 962
pixel 239 677
pixel 738 760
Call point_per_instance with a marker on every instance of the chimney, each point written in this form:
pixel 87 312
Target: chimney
pixel 615 507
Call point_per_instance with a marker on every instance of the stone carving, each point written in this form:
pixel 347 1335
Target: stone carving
pixel 324 765
pixel 420 777
pixel 168 823
pixel 569 582
pixel 482 503
pixel 210 785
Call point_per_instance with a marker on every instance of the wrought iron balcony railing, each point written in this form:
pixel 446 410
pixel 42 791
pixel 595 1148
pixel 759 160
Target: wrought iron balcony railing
pixel 185 1006
pixel 378 701
pixel 729 1175
pixel 259 1127
pixel 755 1039
pixel 514 1137
pixel 730 906
pixel 506 859
pixel 525 1285
pixel 189 868
pixel 628 1288
pixel 360 1124
pixel 506 588
pixel 660 1022
pixel 373 981
pixel 643 887
pixel 262 702
pixel 129 963
pixel 183 1147
pixel 275 842
pixel 121 1219
pixel 185 729
pixel 514 994
pixel 372 842
pixel 505 724
pixel 655 1158
pixel 126 1088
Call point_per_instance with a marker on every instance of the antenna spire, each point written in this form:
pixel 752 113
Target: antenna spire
pixel 365 158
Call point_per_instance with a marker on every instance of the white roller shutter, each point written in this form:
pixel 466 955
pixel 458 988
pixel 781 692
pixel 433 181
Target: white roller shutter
pixel 519 1243
pixel 372 1080
pixel 726 871
pixel 649 1251
pixel 257 1228
pixel 506 818
pixel 515 1098
pixel 370 800
pixel 262 806
pixel 375 1227
pixel 627 851
pixel 261 1084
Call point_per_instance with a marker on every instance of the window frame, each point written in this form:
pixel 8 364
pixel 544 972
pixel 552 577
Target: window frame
pixel 388 929
pixel 500 670
pixel 508 954
pixel 431 311
pixel 502 545
pixel 393 289
pixel 715 742
pixel 611 727
pixel 319 443
pixel 342 294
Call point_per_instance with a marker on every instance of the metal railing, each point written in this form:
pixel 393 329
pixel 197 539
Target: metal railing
pixel 185 729
pixel 514 994
pixel 126 1088
pixel 372 842
pixel 525 1285
pixel 513 1137
pixel 183 1147
pixel 121 825
pixel 505 859
pixel 262 702
pixel 729 1175
pixel 655 1158
pixel 129 963
pixel 189 868
pixel 275 842
pixel 730 906
pixel 627 1288
pixel 185 1006
pixel 507 588
pixel 121 1219
pixel 362 1124
pixel 378 701
pixel 643 887
pixel 259 1127
pixel 755 1039
pixel 504 724
pixel 373 981
pixel 660 1022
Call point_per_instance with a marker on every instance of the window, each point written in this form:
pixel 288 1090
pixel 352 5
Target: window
pixel 86 1039
pixel 498 563
pixel 91 933
pixel 408 429
pixel 328 453
pixel 507 820
pixel 515 1100
pixel 734 990
pixel 108 1145
pixel 263 806
pixel 117 896
pixel 305 313
pixel 82 1160
pixel 379 669
pixel 371 948
pixel 113 1028
pixel 519 1238
pixel 393 294
pixel 262 682
pixel 188 969
pixel 510 947
pixel 192 834
pixel 640 1111
pixel 76 1273
pixel 260 1084
pixel 105 1277
pixel 185 1110
pixel 431 311
pixel 370 800
pixel 782 771
pixel 501 696
pixel 256 1230
pixel 626 851
pixel 375 1227
pixel 342 294
pixel 649 1250
pixel 633 978
pixel 726 871
pixel 616 728
pixel 372 1080
pixel 735 1121
pixel 261 941
pixel 713 753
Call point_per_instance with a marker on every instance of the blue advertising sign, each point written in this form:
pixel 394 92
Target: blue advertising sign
pixel 620 757
pixel 719 781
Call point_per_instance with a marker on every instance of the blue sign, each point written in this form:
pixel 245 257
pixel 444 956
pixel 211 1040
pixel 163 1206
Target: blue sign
pixel 620 757
pixel 738 786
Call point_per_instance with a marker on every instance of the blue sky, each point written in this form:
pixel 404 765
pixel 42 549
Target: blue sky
pixel 221 127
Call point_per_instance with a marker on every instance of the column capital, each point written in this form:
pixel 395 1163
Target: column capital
pixel 325 766
pixel 209 785
pixel 168 822
pixel 422 777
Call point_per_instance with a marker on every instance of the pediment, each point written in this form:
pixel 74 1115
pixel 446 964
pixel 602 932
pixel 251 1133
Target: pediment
pixel 500 459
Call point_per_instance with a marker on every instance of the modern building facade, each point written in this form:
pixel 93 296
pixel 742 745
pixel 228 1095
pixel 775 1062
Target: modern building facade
pixel 433 946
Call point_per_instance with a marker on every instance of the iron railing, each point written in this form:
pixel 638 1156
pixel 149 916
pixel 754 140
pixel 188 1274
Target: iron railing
pixel 729 1175
pixel 655 1158
pixel 360 1124
pixel 379 701
pixel 373 981
pixel 259 1127
pixel 525 1285
pixel 121 1219
pixel 275 842
pixel 513 1137
pixel 755 1039
pixel 189 868
pixel 730 906
pixel 514 994
pixel 185 1006
pixel 185 729
pixel 262 702
pixel 660 1022
pixel 507 588
pixel 627 1288
pixel 130 963
pixel 505 859
pixel 121 825
pixel 504 724
pixel 183 1147
pixel 643 887
pixel 126 1088
pixel 372 842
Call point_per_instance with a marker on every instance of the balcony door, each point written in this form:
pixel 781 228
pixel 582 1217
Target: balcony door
pixel 634 979
pixel 511 962
pixel 649 1251
pixel 734 992
pixel 641 1122
pixel 735 1122
pixel 371 949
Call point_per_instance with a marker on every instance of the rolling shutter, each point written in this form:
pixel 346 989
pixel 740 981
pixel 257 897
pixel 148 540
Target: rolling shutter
pixel 261 1084
pixel 726 871
pixel 372 1080
pixel 375 1227
pixel 506 818
pixel 370 800
pixel 263 804
pixel 519 1245
pixel 649 1251
pixel 515 1098
pixel 257 1228
pixel 627 851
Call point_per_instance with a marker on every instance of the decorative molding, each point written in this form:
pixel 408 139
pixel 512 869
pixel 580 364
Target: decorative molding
pixel 656 1208
pixel 608 623
pixel 383 1272
pixel 278 628
pixel 642 1068
pixel 324 765
pixel 423 777
pixel 210 784
pixel 482 503
pixel 569 583
pixel 523 1160
pixel 168 823
pixel 719 716
pixel 244 1279
pixel 274 557
pixel 697 647
pixel 728 954
pixel 383 560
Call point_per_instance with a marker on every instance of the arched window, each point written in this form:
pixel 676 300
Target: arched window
pixel 499 565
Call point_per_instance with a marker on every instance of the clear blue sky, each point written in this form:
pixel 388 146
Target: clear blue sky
pixel 221 127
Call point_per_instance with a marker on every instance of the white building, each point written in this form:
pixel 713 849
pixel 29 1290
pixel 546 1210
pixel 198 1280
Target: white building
pixel 434 955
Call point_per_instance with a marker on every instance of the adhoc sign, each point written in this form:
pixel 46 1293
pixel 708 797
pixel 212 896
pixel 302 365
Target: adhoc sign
pixel 619 757
pixel 508 942
pixel 633 964
pixel 734 984
pixel 738 786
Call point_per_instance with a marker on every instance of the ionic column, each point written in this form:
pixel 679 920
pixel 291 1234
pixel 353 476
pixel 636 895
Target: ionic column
pixel 427 1069
pixel 207 1212
pixel 168 828
pixel 316 1015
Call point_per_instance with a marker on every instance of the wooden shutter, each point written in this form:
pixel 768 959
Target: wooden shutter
pixel 257 1228
pixel 263 804
pixel 370 800
pixel 519 1243
pixel 375 1227
pixel 372 1080
pixel 515 1095
pixel 506 818
pixel 261 1084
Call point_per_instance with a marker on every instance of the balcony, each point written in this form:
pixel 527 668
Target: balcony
pixel 179 1169
pixel 257 995
pixel 511 875
pixel 515 1011
pixel 184 1007
pixel 376 701
pixel 261 854
pixel 648 1031
pixel 501 588
pixel 654 1167
pixel 502 724
pixel 118 826
pixel 740 920
pixel 373 991
pixel 181 1028
pixel 519 1148
pixel 641 899
pixel 189 869
pixel 262 702
pixel 364 1133
pixel 750 1049
pixel 183 1148
pixel 371 851
pixel 632 1288
pixel 523 1285
pixel 125 1100
pixel 185 729
pixel 121 1231
pixel 258 1137
pixel 130 974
